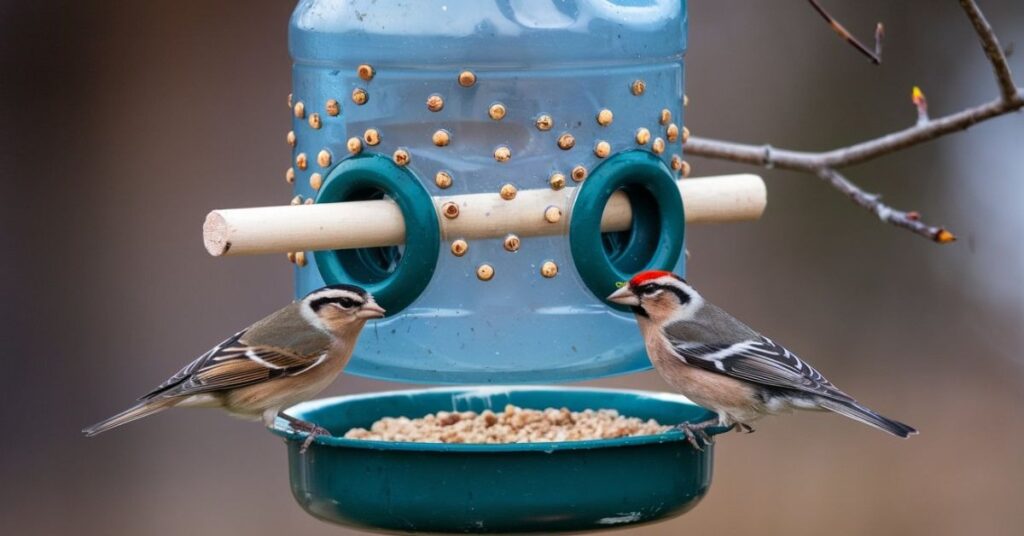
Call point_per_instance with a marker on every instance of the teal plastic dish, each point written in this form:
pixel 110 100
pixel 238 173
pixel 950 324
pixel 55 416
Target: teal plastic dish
pixel 460 488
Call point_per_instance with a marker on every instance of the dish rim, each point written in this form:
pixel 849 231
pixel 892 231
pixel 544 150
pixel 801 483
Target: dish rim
pixel 281 428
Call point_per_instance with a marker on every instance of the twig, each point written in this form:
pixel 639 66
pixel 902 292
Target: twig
pixel 875 56
pixel 995 53
pixel 921 103
pixel 872 203
pixel 825 164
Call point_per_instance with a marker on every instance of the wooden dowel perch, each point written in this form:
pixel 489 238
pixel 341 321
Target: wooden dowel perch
pixel 360 224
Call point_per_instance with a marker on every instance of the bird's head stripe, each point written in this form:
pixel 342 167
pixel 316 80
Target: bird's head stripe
pixel 320 302
pixel 340 287
pixel 684 298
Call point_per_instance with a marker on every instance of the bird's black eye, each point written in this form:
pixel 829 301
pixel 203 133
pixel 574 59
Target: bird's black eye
pixel 649 290
pixel 347 303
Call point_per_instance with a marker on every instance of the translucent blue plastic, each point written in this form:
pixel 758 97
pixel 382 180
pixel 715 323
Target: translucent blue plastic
pixel 566 59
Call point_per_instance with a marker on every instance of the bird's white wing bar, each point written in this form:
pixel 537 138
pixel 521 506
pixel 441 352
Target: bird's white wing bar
pixel 228 349
pixel 233 363
pixel 321 359
pixel 758 361
pixel 257 359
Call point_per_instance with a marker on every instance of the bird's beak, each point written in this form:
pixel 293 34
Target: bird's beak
pixel 370 310
pixel 624 296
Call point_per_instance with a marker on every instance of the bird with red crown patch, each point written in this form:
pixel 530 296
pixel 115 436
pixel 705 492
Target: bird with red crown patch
pixel 724 365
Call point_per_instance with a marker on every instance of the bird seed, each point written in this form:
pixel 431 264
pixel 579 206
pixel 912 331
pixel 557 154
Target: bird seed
pixel 513 425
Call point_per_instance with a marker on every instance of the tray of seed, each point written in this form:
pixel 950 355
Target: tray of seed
pixel 498 459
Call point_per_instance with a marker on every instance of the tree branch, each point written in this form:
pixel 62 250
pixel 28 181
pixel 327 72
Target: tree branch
pixel 875 56
pixel 825 164
pixel 766 155
pixel 996 56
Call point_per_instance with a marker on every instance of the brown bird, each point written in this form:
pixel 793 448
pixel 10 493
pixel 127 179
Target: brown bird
pixel 281 360
pixel 724 365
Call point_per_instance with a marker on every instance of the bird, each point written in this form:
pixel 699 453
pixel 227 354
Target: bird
pixel 725 366
pixel 285 358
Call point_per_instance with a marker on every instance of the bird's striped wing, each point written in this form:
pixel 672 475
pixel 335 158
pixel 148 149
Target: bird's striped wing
pixel 760 361
pixel 232 364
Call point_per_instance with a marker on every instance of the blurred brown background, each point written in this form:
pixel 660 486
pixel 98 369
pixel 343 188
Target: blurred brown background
pixel 125 122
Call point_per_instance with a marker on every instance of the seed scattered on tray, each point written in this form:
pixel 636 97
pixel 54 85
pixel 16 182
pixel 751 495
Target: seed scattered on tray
pixel 513 425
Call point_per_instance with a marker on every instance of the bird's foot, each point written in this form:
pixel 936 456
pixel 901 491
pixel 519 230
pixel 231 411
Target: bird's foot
pixel 695 433
pixel 313 430
pixel 744 428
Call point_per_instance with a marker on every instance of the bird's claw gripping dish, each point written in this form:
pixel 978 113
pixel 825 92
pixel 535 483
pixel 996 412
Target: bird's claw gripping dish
pixel 312 430
pixel 696 433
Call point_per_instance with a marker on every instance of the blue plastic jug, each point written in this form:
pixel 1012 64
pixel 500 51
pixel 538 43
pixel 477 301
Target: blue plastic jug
pixel 419 100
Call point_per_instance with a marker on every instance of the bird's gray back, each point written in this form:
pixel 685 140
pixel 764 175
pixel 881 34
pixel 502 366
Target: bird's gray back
pixel 712 325
pixel 286 328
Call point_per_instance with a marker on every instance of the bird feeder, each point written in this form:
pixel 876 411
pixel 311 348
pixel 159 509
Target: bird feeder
pixel 489 170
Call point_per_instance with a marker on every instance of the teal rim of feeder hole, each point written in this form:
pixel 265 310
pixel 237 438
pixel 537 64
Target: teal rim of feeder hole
pixel 478 488
pixel 374 177
pixel 655 238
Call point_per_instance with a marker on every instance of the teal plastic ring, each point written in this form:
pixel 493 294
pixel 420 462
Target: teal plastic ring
pixel 394 290
pixel 655 240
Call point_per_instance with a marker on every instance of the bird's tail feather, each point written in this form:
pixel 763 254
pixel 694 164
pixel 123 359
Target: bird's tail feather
pixel 860 413
pixel 138 411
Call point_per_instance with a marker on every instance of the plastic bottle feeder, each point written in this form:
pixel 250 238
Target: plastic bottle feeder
pixel 490 170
